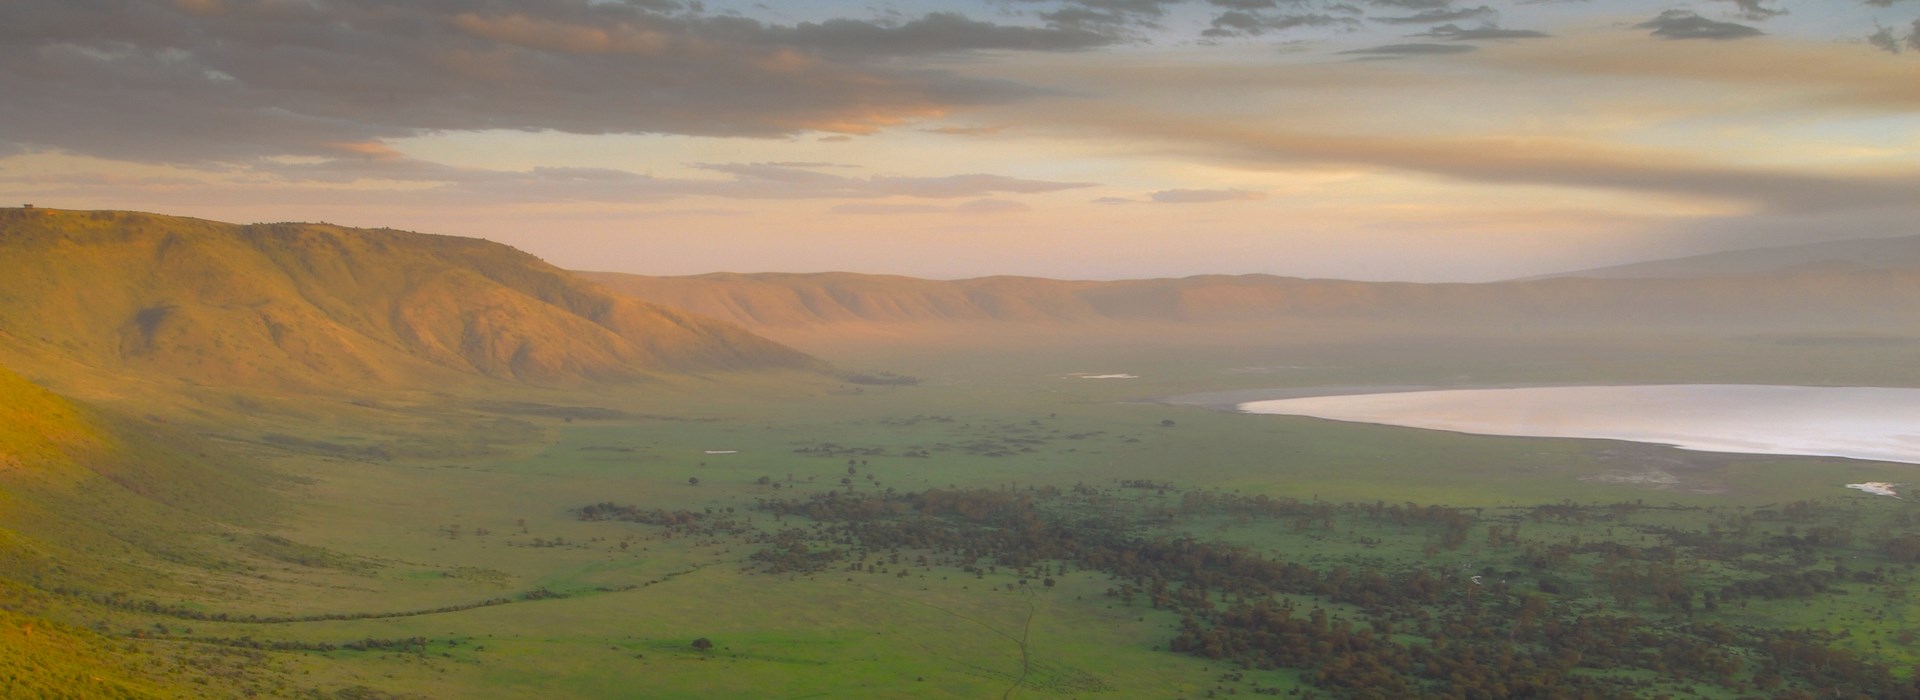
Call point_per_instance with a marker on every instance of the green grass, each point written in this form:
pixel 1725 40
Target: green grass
pixel 821 633
pixel 465 504
pixel 50 660
pixel 220 470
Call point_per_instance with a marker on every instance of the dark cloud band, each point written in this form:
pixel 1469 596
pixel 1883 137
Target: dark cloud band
pixel 205 81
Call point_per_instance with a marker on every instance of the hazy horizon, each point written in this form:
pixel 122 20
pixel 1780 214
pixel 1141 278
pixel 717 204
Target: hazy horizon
pixel 1069 139
pixel 415 436
pixel 962 278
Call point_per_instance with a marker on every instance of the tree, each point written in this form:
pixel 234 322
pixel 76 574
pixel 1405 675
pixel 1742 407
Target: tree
pixel 693 481
pixel 1166 423
pixel 1904 549
pixel 763 481
pixel 702 645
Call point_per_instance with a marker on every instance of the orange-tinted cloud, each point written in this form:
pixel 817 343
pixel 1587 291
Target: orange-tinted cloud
pixel 1532 161
pixel 200 81
pixel 550 35
pixel 1205 196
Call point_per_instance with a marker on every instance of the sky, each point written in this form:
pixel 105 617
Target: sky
pixel 1421 140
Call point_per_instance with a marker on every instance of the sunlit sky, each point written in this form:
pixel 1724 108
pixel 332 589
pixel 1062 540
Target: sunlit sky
pixel 1422 140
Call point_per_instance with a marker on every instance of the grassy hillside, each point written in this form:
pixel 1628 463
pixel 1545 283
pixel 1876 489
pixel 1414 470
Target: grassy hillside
pixel 90 505
pixel 50 660
pixel 37 430
pixel 93 501
pixel 306 306
pixel 36 427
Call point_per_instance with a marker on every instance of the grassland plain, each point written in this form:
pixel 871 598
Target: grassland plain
pixel 429 541
pixel 532 601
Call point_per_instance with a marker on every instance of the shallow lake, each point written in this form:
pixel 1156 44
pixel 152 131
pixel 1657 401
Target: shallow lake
pixel 1857 422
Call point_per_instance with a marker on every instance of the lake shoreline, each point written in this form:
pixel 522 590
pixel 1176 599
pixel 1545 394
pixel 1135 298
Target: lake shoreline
pixel 1230 400
pixel 1861 423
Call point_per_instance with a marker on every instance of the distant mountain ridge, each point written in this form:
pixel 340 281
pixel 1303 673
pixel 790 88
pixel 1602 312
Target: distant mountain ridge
pixel 1863 254
pixel 1831 297
pixel 306 305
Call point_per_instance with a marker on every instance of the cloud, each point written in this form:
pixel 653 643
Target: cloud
pixel 1110 18
pixel 207 81
pixel 1466 135
pixel 1823 78
pixel 978 207
pixel 866 209
pixel 87 180
pixel 968 130
pixel 1450 31
pixel 934 33
pixel 1204 196
pixel 1401 50
pixel 1682 24
pixel 766 180
pixel 1756 10
pixel 1187 196
pixel 225 87
pixel 993 206
pixel 437 183
pixel 226 81
pixel 1412 4
pixel 1438 16
pixel 1244 23
pixel 1886 39
pixel 809 164
pixel 1537 162
pixel 967 185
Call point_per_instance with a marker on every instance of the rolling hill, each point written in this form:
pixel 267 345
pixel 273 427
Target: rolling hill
pixel 156 373
pixel 789 305
pixel 312 306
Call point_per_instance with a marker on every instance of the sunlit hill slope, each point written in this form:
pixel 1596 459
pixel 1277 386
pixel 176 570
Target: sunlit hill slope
pixel 85 498
pixel 313 305
pixel 91 504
